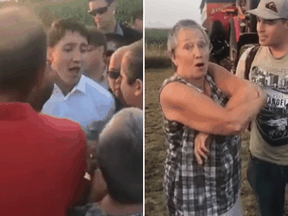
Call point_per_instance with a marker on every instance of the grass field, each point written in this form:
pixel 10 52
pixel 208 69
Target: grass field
pixel 155 151
pixel 156 38
pixel 49 11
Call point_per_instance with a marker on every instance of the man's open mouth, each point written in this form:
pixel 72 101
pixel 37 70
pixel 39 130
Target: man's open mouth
pixel 74 69
pixel 200 65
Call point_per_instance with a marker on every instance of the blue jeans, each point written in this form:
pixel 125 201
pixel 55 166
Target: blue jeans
pixel 268 182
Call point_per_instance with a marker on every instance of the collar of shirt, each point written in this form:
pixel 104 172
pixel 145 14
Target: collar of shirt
pixel 118 29
pixel 78 89
pixel 85 103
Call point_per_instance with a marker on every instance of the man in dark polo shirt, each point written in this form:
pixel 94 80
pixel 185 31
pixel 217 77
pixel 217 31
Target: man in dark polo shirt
pixel 103 13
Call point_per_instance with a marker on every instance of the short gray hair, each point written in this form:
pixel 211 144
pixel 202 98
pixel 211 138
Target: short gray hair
pixel 120 156
pixel 183 24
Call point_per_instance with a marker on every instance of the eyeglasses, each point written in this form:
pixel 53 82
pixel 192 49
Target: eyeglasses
pixel 100 11
pixel 113 74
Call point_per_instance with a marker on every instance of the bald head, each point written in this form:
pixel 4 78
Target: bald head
pixel 132 62
pixel 22 50
pixel 116 57
pixel 17 24
pixel 115 65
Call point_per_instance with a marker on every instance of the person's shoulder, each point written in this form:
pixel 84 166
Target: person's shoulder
pixel 63 125
pixel 263 50
pixel 96 89
pixel 257 49
pixel 130 33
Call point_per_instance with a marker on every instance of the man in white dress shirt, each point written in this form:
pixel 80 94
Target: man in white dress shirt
pixel 74 96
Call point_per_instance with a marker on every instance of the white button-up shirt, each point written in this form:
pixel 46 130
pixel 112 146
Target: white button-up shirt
pixel 86 102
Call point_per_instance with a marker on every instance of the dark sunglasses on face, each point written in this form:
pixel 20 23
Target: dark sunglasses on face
pixel 100 11
pixel 113 74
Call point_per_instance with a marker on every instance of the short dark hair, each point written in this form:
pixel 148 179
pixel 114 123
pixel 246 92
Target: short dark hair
pixel 137 15
pixel 96 38
pixel 59 28
pixel 120 156
pixel 22 52
pixel 110 1
pixel 116 40
pixel 134 60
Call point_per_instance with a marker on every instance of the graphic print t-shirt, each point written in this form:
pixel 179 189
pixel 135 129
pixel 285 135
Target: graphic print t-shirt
pixel 269 132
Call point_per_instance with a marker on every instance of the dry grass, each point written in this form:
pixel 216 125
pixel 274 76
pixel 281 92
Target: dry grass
pixel 155 151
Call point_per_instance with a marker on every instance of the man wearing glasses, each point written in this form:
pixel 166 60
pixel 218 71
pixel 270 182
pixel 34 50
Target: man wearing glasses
pixel 103 12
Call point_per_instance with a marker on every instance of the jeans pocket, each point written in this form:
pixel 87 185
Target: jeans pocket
pixel 252 172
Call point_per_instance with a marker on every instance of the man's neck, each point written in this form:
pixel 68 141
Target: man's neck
pixel 279 51
pixel 64 88
pixel 110 27
pixel 140 104
pixel 113 207
pixel 96 73
pixel 5 98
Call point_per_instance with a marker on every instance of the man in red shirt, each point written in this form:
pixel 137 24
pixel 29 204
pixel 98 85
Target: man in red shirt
pixel 42 158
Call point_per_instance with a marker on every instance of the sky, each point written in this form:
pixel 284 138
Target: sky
pixel 166 13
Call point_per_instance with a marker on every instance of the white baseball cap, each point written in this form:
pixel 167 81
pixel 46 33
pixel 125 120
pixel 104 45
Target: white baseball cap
pixel 271 9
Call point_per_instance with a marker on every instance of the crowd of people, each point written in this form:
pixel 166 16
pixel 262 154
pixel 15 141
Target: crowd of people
pixel 71 116
pixel 72 122
pixel 205 109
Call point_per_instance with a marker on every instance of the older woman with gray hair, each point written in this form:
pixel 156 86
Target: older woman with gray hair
pixel 204 110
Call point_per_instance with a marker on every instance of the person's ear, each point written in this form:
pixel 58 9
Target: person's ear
pixel 50 55
pixel 99 187
pixel 139 87
pixel 113 7
pixel 172 57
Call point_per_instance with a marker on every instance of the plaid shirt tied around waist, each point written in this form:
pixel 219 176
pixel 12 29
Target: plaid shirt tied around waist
pixel 201 190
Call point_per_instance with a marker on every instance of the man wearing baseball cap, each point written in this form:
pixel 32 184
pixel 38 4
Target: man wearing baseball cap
pixel 268 165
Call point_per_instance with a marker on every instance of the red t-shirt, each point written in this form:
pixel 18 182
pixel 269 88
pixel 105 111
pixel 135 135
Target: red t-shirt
pixel 42 162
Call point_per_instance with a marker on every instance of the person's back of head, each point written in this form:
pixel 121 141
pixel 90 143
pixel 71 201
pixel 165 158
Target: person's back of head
pixel 114 42
pixel 217 31
pixel 22 52
pixel 134 60
pixel 95 58
pixel 97 38
pixel 131 73
pixel 120 156
pixel 137 20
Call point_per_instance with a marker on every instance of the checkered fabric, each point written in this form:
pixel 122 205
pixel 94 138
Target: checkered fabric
pixel 93 209
pixel 192 189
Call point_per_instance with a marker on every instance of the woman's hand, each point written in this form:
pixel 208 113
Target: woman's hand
pixel 201 147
